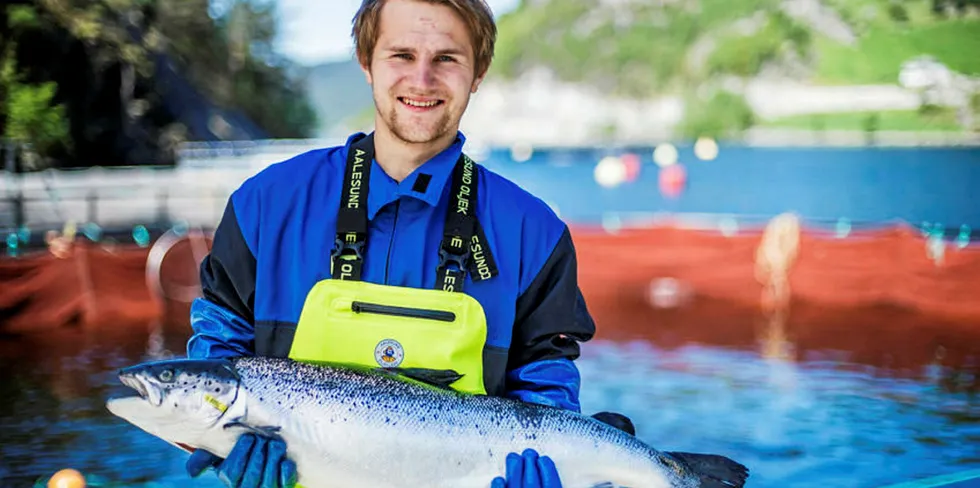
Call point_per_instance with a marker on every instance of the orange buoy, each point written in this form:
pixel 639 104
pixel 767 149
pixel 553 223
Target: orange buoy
pixel 67 478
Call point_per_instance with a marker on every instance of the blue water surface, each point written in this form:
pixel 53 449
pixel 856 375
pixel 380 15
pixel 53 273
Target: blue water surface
pixel 873 185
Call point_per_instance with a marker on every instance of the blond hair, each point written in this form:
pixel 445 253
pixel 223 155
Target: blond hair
pixel 475 13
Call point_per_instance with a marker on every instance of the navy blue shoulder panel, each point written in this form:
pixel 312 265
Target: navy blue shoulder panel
pixel 228 271
pixel 552 317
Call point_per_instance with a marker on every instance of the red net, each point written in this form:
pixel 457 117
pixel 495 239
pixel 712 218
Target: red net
pixel 890 267
pixel 881 295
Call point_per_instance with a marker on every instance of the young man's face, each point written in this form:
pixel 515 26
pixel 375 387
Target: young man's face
pixel 422 71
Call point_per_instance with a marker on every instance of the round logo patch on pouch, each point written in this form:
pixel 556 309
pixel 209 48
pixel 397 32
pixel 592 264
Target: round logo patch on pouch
pixel 389 353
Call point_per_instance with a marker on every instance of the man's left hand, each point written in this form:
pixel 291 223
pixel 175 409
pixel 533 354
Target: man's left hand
pixel 528 470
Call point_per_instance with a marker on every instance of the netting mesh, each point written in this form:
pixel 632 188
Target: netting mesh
pixel 894 267
pixel 660 281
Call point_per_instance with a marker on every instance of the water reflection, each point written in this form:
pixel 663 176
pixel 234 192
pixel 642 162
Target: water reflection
pixel 862 398
pixel 53 415
pixel 794 425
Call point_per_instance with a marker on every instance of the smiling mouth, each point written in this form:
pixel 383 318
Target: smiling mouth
pixel 420 104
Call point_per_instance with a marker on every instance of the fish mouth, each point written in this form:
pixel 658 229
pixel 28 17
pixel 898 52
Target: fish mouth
pixel 145 391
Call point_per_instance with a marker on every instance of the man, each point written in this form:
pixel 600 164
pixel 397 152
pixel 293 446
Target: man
pixel 408 235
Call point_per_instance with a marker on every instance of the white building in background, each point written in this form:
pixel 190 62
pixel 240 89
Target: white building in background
pixel 924 72
pixel 937 83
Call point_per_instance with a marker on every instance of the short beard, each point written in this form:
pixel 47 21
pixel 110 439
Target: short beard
pixel 413 135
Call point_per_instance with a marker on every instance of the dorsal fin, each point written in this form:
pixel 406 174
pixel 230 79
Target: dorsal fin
pixel 440 378
pixel 616 420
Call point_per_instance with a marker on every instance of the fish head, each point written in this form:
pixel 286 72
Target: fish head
pixel 178 400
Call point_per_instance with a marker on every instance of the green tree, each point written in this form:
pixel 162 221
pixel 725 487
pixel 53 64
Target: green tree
pixel 94 63
pixel 30 114
pixel 232 59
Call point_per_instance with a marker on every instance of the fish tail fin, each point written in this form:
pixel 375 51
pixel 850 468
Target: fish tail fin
pixel 715 471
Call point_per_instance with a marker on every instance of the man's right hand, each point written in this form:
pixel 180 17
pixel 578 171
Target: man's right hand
pixel 254 462
pixel 528 470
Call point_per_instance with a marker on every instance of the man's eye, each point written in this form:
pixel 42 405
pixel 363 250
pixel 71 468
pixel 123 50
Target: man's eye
pixel 446 59
pixel 403 56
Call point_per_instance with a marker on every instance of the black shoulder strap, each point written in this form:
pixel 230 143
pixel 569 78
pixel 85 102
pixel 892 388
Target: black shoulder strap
pixel 482 265
pixel 463 246
pixel 347 257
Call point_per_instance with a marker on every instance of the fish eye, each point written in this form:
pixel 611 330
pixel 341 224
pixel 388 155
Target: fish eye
pixel 166 376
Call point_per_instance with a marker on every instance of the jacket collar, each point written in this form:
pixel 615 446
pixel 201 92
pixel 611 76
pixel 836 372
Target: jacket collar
pixel 426 183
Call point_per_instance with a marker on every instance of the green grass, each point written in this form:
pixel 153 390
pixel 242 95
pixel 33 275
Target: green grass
pixel 878 56
pixel 937 119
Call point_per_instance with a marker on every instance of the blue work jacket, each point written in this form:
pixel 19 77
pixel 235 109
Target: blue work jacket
pixel 274 241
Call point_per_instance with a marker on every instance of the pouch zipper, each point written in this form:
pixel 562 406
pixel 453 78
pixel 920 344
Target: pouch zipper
pixel 415 313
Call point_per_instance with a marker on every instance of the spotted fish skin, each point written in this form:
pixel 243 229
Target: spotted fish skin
pixel 354 426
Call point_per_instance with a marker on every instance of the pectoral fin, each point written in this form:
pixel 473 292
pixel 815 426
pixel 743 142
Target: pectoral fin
pixel 441 378
pixel 616 420
pixel 270 431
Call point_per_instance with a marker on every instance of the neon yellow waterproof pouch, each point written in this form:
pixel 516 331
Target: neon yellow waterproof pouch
pixel 390 326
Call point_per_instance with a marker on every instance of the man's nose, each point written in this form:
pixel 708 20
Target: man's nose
pixel 423 74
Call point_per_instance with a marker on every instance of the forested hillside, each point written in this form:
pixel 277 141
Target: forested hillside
pixel 116 82
pixel 642 48
pixel 696 49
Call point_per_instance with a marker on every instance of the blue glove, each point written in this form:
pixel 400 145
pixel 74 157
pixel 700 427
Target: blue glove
pixel 553 382
pixel 528 471
pixel 255 461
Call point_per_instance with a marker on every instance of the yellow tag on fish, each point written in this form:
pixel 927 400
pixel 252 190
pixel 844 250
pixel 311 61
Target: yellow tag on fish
pixel 215 403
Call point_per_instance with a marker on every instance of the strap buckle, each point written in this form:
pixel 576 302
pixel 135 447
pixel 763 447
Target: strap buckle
pixel 448 257
pixel 347 251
